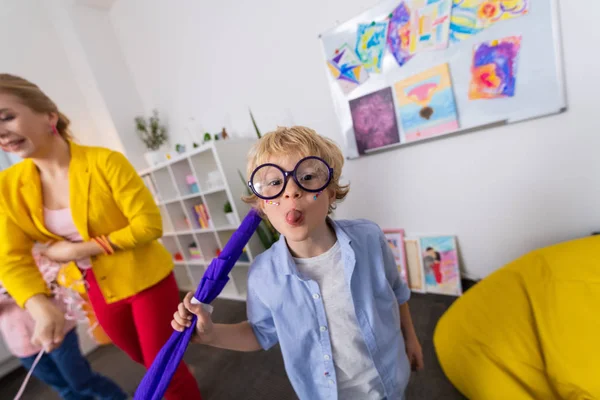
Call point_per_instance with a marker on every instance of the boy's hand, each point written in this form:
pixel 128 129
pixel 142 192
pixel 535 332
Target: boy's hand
pixel 182 319
pixel 414 353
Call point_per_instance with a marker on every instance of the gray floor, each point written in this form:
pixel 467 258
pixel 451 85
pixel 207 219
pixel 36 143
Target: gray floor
pixel 225 375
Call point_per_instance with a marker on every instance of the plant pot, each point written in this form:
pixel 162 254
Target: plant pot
pixel 231 218
pixel 153 157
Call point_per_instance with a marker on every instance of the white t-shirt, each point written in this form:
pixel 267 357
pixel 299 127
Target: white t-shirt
pixel 356 374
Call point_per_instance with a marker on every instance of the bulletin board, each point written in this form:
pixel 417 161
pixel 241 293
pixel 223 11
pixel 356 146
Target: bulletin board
pixel 408 71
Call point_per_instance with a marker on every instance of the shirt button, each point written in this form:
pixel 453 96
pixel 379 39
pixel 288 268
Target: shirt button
pixel 326 357
pixel 323 328
pixel 316 296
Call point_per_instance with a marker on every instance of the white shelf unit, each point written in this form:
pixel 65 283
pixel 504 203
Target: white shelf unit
pixel 214 166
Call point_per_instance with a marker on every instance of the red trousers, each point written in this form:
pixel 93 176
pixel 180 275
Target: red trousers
pixel 141 324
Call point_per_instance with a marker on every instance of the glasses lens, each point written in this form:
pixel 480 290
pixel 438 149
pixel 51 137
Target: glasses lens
pixel 313 174
pixel 268 181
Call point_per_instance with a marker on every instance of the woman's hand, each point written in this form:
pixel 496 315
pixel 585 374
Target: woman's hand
pixel 49 322
pixel 62 252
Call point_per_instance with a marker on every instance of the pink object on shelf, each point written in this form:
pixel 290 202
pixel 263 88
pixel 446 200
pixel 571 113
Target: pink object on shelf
pixel 190 179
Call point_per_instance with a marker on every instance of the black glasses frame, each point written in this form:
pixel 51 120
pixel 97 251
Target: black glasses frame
pixel 287 174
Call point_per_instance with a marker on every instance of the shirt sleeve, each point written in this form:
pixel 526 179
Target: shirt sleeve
pixel 392 274
pixel 135 202
pixel 261 320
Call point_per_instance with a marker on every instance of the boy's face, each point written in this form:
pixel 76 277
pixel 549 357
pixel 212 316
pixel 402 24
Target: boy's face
pixel 296 214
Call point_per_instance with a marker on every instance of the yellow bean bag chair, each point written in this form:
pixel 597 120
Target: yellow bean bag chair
pixel 530 330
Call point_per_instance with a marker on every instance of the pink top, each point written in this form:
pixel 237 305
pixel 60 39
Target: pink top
pixel 16 325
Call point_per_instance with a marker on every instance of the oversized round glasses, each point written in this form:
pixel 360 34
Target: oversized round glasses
pixel 311 174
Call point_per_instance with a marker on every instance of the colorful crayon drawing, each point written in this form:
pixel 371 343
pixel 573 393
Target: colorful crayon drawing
pixel 395 239
pixel 414 265
pixel 470 17
pixel 399 33
pixel 426 104
pixel 347 69
pixel 370 44
pixel 430 25
pixel 494 68
pixel 374 120
pixel 440 264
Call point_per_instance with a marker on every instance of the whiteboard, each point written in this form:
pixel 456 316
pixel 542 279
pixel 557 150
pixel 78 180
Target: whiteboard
pixel 539 87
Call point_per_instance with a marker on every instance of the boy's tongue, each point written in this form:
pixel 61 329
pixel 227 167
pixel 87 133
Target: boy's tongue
pixel 293 216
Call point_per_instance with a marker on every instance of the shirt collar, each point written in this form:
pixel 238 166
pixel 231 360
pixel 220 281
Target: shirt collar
pixel 284 259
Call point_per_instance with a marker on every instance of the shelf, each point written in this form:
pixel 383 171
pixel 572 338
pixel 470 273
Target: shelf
pixel 190 196
pixel 214 190
pixel 182 277
pixel 207 177
pixel 177 158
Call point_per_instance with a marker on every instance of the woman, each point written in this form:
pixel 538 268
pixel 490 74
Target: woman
pixel 65 369
pixel 103 218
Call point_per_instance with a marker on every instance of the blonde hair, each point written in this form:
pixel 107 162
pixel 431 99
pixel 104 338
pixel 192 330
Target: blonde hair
pixel 32 97
pixel 303 142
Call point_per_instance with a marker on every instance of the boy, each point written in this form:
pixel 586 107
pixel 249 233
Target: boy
pixel 329 291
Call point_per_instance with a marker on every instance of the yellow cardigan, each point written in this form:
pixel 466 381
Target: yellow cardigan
pixel 107 197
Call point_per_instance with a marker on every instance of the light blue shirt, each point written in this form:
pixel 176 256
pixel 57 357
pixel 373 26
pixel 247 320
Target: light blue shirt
pixel 284 307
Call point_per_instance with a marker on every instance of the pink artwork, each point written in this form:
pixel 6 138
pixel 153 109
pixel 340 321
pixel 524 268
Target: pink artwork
pixel 440 264
pixel 494 69
pixel 395 239
pixel 374 120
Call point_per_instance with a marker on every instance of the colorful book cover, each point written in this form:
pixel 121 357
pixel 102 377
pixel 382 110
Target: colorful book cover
pixel 426 104
pixel 395 239
pixel 440 265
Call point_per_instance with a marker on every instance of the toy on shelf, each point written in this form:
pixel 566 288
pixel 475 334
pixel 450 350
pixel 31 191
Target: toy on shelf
pixel 214 180
pixel 202 216
pixel 192 183
pixel 178 256
pixel 194 252
pixel 180 148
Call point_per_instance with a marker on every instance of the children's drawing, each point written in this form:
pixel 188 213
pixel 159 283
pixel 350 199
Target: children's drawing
pixel 370 44
pixel 416 282
pixel 399 33
pixel 395 239
pixel 440 264
pixel 347 69
pixel 374 120
pixel 430 25
pixel 470 17
pixel 426 104
pixel 494 68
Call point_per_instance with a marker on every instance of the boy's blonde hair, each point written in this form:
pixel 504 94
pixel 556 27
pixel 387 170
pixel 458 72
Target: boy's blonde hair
pixel 299 141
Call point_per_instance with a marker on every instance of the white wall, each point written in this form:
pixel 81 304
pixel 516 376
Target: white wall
pixel 503 191
pixel 36 51
pixel 113 79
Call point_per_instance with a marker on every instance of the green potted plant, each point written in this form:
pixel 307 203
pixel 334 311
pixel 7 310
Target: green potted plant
pixel 153 134
pixel 229 213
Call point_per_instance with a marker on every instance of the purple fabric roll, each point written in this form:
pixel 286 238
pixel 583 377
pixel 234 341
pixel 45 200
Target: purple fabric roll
pixel 157 378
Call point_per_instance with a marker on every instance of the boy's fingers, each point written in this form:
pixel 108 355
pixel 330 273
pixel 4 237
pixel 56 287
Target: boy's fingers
pixel 180 320
pixel 183 311
pixel 176 326
pixel 193 308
